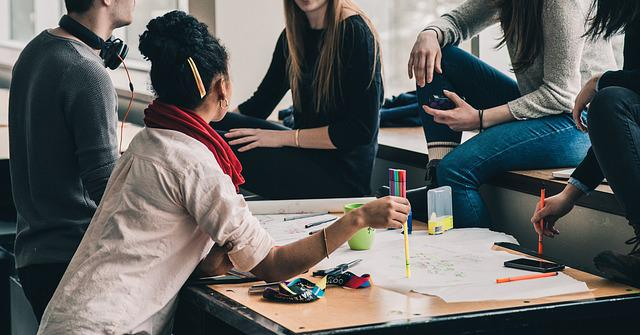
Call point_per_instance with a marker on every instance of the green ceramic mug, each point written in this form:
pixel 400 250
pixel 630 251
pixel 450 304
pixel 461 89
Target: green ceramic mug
pixel 363 239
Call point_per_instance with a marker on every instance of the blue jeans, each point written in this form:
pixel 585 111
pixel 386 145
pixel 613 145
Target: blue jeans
pixel 548 142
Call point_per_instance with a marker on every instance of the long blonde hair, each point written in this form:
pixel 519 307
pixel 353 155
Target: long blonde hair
pixel 327 85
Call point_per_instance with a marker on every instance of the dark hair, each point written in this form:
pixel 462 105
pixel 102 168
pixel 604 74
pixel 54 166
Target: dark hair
pixel 610 17
pixel 78 6
pixel 521 22
pixel 168 42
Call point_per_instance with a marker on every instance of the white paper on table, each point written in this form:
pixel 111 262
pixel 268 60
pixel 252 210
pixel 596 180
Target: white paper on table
pixel 304 206
pixel 517 290
pixel 284 232
pixel 456 266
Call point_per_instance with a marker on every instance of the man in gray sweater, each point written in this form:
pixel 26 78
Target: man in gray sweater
pixel 63 145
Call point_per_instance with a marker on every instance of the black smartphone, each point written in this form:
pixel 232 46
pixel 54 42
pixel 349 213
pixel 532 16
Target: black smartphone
pixel 533 265
pixel 435 99
pixel 440 102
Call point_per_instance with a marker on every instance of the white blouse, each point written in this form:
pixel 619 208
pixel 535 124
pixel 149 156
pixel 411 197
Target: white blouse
pixel 166 204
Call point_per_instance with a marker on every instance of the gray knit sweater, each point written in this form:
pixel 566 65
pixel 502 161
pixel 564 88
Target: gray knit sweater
pixel 62 133
pixel 551 84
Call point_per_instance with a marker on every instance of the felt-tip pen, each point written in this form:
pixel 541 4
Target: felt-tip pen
pixel 526 277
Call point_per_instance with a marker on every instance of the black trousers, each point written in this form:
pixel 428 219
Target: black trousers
pixel 39 282
pixel 287 173
pixel 614 129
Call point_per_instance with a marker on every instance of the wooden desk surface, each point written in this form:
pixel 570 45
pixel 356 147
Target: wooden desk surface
pixel 344 308
pixel 411 139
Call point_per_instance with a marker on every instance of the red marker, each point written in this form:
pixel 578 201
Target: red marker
pixel 541 223
pixel 526 277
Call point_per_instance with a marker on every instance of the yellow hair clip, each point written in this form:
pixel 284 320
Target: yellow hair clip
pixel 197 77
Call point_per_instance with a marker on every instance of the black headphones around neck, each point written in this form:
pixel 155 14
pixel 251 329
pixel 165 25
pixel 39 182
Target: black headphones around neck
pixel 112 51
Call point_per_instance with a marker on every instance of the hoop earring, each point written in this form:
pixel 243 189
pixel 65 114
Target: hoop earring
pixel 226 103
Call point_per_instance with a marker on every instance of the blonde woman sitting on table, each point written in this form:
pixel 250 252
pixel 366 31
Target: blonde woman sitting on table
pixel 171 204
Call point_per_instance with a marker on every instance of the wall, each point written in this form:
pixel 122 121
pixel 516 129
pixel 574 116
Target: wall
pixel 498 58
pixel 250 36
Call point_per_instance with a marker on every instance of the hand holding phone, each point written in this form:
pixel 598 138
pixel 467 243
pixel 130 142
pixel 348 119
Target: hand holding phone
pixel 440 102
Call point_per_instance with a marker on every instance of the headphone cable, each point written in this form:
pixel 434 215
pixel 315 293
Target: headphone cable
pixel 124 119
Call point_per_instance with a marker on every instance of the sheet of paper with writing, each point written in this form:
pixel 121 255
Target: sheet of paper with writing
pixel 457 266
pixel 284 232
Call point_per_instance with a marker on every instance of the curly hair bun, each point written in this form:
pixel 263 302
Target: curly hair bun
pixel 168 41
pixel 173 37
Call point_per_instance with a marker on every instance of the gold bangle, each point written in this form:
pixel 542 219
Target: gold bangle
pixel 326 246
pixel 298 138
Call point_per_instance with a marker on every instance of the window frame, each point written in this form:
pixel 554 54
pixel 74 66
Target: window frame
pixel 139 69
pixel 42 24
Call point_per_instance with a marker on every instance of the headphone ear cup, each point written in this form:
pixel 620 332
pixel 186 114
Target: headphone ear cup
pixel 110 52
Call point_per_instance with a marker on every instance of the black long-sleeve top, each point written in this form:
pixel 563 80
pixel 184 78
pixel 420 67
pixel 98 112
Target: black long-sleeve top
pixel 588 172
pixel 354 122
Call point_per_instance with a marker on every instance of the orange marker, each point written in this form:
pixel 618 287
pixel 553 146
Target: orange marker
pixel 541 223
pixel 527 277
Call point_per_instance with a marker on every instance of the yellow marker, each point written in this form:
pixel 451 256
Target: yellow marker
pixel 406 249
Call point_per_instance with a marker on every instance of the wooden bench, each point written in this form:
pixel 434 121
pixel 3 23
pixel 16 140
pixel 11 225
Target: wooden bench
pixel 408 146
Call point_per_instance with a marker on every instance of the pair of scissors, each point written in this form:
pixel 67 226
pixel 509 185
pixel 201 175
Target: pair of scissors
pixel 336 270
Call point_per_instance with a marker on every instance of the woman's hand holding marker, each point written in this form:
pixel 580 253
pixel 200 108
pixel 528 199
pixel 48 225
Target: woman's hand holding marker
pixel 387 212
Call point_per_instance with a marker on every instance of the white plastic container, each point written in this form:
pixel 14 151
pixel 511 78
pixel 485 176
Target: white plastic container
pixel 440 210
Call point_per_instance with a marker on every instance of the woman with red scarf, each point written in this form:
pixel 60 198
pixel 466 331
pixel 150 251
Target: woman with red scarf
pixel 172 207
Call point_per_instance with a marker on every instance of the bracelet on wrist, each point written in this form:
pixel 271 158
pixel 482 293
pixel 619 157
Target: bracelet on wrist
pixel 435 31
pixel 481 117
pixel 326 244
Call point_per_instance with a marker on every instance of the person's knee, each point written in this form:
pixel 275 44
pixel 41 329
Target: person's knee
pixel 607 105
pixel 451 54
pixel 452 172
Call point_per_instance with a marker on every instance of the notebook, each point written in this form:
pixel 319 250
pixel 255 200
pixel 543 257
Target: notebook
pixel 566 174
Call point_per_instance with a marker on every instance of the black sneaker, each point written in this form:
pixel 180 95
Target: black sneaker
pixel 619 267
pixel 430 178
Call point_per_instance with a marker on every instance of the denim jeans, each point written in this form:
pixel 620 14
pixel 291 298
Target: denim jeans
pixel 548 142
pixel 614 129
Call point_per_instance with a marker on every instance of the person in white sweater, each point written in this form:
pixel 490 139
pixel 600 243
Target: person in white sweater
pixel 171 204
pixel 524 123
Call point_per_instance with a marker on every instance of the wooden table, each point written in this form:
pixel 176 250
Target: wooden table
pixel 209 309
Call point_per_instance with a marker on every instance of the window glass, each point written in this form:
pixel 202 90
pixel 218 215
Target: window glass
pixel 28 17
pixel 398 23
pixel 22 20
pixel 145 11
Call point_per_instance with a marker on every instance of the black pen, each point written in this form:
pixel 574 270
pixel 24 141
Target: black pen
pixel 304 216
pixel 257 289
pixel 318 223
